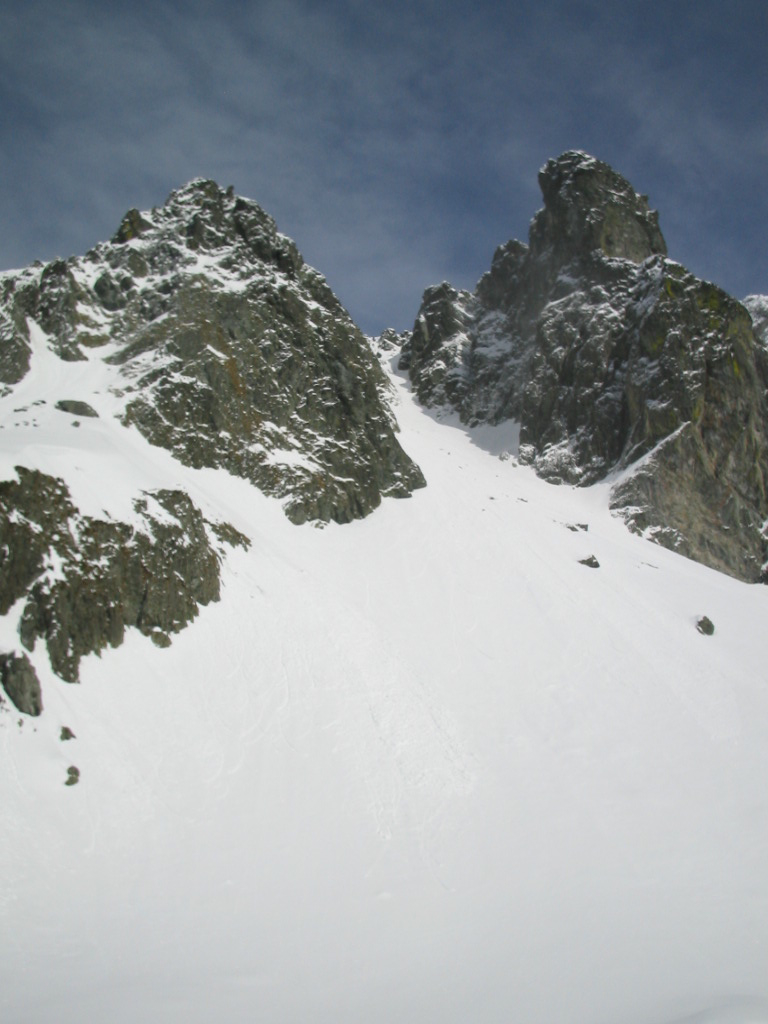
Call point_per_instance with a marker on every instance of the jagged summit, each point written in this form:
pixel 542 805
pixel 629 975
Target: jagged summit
pixel 588 206
pixel 613 358
pixel 210 218
pixel 232 351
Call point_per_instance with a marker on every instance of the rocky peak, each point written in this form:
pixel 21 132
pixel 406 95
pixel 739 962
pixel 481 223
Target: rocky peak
pixel 210 219
pixel 200 325
pixel 613 358
pixel 232 352
pixel 588 206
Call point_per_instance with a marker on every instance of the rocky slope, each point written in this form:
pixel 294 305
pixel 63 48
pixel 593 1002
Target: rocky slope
pixel 81 581
pixel 613 358
pixel 232 351
pixel 218 343
pixel 221 346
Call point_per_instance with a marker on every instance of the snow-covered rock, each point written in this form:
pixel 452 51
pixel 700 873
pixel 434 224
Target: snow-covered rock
pixel 231 351
pixel 612 357
pixel 201 326
pixel 758 310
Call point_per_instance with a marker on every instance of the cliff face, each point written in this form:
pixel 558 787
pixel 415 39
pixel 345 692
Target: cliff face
pixel 216 342
pixel 81 581
pixel 207 332
pixel 232 351
pixel 615 360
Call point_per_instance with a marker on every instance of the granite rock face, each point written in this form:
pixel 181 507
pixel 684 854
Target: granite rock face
pixel 612 357
pixel 82 581
pixel 233 352
pixel 213 338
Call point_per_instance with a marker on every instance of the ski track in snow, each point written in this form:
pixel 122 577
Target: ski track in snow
pixel 425 766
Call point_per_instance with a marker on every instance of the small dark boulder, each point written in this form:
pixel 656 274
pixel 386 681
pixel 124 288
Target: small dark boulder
pixel 20 682
pixel 592 562
pixel 76 408
pixel 705 626
pixel 73 776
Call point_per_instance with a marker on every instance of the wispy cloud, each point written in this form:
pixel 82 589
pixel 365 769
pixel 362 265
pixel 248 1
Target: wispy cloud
pixel 397 145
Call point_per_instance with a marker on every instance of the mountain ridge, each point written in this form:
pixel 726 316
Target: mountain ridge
pixel 217 343
pixel 215 321
pixel 481 755
pixel 200 326
pixel 607 351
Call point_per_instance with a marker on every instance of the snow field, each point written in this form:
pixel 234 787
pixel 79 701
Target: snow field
pixel 426 766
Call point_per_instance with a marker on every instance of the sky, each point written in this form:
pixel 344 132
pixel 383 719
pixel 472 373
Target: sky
pixel 398 144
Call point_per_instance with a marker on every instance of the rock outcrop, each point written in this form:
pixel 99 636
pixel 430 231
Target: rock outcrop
pixel 233 352
pixel 218 343
pixel 83 581
pixel 613 358
pixel 757 305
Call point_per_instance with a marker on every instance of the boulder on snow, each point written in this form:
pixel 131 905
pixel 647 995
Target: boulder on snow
pixel 75 408
pixel 20 682
pixel 590 561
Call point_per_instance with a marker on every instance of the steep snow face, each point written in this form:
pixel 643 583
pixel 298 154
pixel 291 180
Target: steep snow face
pixel 425 766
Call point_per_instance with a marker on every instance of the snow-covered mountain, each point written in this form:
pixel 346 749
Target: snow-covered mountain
pixel 228 351
pixel 483 754
pixel 201 326
pixel 613 357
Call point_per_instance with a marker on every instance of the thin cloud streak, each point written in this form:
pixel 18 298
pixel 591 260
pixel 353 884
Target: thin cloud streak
pixel 397 147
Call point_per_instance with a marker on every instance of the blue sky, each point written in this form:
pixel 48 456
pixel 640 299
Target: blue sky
pixel 397 143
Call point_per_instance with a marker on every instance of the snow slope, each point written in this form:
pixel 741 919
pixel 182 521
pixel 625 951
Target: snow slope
pixel 422 767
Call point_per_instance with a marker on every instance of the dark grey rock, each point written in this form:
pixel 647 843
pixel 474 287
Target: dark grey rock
pixel 73 775
pixel 705 626
pixel 20 682
pixel 14 339
pixel 109 575
pixel 590 561
pixel 275 364
pixel 235 353
pixel 133 225
pixel 588 207
pixel 612 356
pixel 76 408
